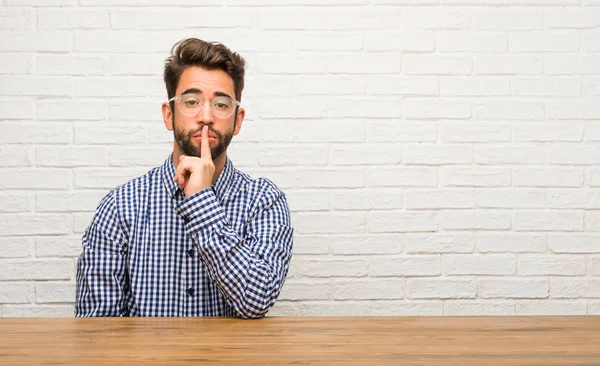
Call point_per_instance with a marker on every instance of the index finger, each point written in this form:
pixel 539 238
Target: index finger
pixel 204 146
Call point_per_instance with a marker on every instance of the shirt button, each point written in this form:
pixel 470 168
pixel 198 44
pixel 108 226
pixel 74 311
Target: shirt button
pixel 190 291
pixel 191 252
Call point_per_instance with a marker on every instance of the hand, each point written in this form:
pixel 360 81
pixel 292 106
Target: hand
pixel 195 174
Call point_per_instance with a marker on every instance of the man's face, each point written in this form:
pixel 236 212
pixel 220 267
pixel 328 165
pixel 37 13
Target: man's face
pixel 207 84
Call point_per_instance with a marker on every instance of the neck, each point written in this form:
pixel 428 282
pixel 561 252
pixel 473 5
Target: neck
pixel 219 163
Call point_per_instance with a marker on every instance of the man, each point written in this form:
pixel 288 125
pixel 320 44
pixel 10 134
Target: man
pixel 195 236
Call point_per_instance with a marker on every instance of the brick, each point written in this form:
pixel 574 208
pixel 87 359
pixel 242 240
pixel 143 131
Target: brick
pixel 35 133
pixel 169 19
pixel 593 266
pixel 367 199
pixel 366 108
pixel 559 265
pixel 334 222
pixel 39 86
pixel 16 63
pixel 402 177
pixel 551 307
pixel 16 156
pixel 328 178
pixel 436 65
pixel 545 87
pixel 138 156
pixel 132 64
pixel 510 198
pixel 369 289
pixel 509 154
pixel 474 86
pixel 15 201
pixel 592 221
pixel 475 220
pixel 323 18
pixel 547 177
pixel 582 109
pixel 547 132
pixel 119 86
pixel 16 247
pixel 405 41
pixel 81 221
pixel 502 110
pixel 513 288
pixel 572 199
pixel 436 109
pixel 511 243
pixel 58 246
pixel 471 132
pixel 282 107
pixel 325 41
pixel 468 264
pixel 303 131
pixel 475 177
pixel 68 201
pixel 478 308
pixel 376 244
pixel 590 41
pixel 543 41
pixel 319 85
pixel 109 133
pixel 121 41
pixel 568 288
pixel 330 268
pixel 29 41
pixel 313 244
pixel 440 243
pixel 508 64
pixel 34 224
pixel 35 178
pixel 55 269
pixel 16 293
pixel 594 178
pixel 71 156
pixel 436 154
pixel 507 19
pixel 308 200
pixel 306 291
pixel 363 154
pixel 548 221
pixel 407 308
pixel 401 85
pixel 418 288
pixel 40 3
pixel 72 18
pixel 402 221
pixel 37 311
pixel 572 64
pixel 105 178
pixel 409 266
pixel 585 243
pixel 469 41
pixel 572 18
pixel 134 110
pixel 334 308
pixel 351 63
pixel 55 64
pixel 432 18
pixel 439 199
pixel 381 131
pixel 15 19
pixel 77 110
pixel 54 292
pixel 582 154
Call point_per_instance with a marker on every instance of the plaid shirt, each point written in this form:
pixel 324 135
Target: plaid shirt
pixel 150 251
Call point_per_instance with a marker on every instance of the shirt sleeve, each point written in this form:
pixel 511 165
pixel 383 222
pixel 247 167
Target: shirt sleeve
pixel 248 270
pixel 101 267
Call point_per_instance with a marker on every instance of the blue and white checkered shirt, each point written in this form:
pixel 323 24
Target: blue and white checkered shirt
pixel 150 251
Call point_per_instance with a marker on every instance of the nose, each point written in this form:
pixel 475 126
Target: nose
pixel 205 116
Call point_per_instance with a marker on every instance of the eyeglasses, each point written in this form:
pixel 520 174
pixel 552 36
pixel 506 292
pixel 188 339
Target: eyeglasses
pixel 191 105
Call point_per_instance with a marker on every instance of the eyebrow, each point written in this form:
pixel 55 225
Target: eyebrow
pixel 198 91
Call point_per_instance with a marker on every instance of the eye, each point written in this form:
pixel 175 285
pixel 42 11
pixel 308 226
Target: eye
pixel 222 103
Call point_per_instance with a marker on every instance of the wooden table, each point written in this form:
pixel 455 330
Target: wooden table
pixel 302 341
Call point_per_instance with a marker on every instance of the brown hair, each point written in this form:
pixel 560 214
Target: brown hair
pixel 209 55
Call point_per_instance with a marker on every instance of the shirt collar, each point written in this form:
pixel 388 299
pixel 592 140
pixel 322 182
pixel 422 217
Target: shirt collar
pixel 220 186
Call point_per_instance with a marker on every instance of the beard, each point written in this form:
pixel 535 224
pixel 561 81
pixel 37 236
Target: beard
pixel 184 140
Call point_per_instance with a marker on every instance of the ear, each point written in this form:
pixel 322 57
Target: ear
pixel 239 119
pixel 167 116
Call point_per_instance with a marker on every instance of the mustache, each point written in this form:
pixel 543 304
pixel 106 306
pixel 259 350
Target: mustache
pixel 210 129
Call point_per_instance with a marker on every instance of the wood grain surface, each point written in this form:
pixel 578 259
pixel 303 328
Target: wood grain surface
pixel 530 340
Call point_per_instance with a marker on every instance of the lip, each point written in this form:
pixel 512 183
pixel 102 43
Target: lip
pixel 198 136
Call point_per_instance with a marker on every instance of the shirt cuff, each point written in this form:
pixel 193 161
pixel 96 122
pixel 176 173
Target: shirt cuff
pixel 201 211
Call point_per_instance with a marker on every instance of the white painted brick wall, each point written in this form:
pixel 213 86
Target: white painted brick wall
pixel 439 156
